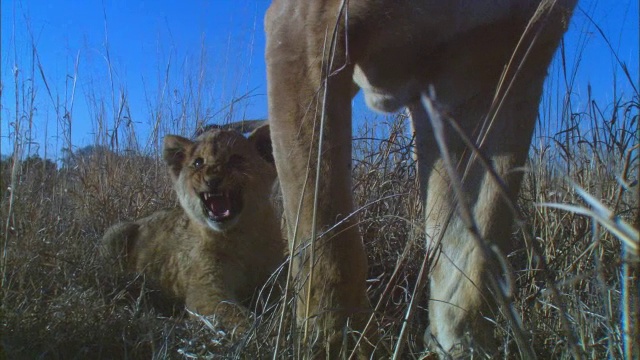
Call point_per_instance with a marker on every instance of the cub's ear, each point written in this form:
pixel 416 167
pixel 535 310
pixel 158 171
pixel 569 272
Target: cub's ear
pixel 174 153
pixel 261 139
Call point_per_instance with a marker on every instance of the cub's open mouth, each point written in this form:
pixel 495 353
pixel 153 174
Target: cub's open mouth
pixel 223 206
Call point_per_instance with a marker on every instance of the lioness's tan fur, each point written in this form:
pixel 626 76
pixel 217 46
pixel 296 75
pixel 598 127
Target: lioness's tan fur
pixel 215 267
pixel 485 61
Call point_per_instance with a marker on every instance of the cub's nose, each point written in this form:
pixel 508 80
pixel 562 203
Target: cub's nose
pixel 214 183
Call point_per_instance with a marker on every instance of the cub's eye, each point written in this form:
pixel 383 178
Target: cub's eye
pixel 198 162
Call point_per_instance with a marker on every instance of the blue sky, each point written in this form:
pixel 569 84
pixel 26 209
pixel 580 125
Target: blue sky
pixel 227 36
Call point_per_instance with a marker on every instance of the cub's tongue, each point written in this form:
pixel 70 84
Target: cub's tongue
pixel 218 206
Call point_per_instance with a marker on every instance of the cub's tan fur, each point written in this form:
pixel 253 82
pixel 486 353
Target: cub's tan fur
pixel 485 60
pixel 217 250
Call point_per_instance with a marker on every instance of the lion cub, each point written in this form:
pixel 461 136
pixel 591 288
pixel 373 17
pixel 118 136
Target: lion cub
pixel 217 250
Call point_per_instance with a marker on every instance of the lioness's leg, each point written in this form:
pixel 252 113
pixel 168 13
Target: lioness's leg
pixel 460 295
pixel 297 51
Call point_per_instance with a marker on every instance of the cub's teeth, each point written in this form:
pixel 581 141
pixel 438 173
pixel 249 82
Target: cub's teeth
pixel 205 196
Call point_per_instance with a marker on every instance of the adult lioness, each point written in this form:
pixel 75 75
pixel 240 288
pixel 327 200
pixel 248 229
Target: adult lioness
pixel 217 250
pixel 485 60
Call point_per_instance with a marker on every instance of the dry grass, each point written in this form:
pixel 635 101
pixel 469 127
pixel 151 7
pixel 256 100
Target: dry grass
pixel 60 300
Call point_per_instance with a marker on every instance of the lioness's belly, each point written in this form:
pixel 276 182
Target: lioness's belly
pixel 385 100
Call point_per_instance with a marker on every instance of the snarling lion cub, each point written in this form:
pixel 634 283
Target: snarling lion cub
pixel 216 250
